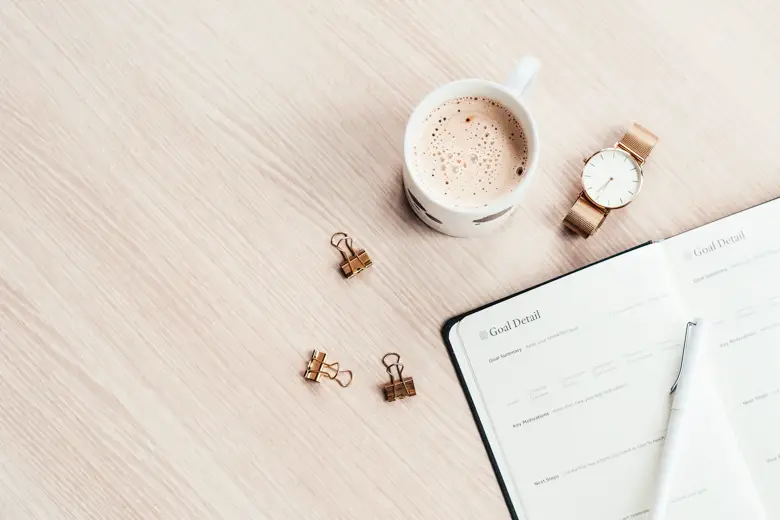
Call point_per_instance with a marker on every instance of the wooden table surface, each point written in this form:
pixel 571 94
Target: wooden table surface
pixel 171 175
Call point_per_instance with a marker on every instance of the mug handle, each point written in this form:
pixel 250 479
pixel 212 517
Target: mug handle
pixel 521 80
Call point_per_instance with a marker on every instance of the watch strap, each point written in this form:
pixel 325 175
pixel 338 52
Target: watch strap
pixel 638 141
pixel 585 218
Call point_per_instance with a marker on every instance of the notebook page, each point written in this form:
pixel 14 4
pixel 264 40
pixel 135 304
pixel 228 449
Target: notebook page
pixel 571 383
pixel 729 271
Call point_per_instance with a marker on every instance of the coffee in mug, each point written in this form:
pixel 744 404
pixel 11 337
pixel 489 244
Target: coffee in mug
pixel 470 150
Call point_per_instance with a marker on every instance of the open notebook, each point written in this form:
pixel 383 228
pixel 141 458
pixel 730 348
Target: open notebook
pixel 569 381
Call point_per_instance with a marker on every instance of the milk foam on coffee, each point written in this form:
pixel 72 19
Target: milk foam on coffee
pixel 471 151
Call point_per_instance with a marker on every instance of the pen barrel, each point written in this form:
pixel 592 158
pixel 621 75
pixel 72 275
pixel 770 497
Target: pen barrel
pixel 682 398
pixel 690 369
pixel 667 465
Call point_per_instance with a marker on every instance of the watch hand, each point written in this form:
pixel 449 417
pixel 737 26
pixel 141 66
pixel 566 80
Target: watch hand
pixel 605 184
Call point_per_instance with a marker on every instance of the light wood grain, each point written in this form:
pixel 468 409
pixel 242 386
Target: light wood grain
pixel 172 172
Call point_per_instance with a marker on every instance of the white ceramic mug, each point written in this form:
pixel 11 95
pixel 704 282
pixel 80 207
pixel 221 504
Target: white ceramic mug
pixel 459 221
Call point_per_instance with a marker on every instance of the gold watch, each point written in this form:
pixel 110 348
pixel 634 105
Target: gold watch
pixel 611 179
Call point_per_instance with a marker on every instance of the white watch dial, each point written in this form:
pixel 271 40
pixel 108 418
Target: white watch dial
pixel 612 178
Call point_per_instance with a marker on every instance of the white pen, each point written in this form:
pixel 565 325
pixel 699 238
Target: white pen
pixel 694 345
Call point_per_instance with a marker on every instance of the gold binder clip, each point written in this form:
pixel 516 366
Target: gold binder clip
pixel 401 388
pixel 354 261
pixel 317 368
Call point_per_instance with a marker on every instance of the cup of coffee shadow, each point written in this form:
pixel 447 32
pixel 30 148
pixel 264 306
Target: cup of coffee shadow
pixel 470 153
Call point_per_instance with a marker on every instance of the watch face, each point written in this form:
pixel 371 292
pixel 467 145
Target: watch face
pixel 612 178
